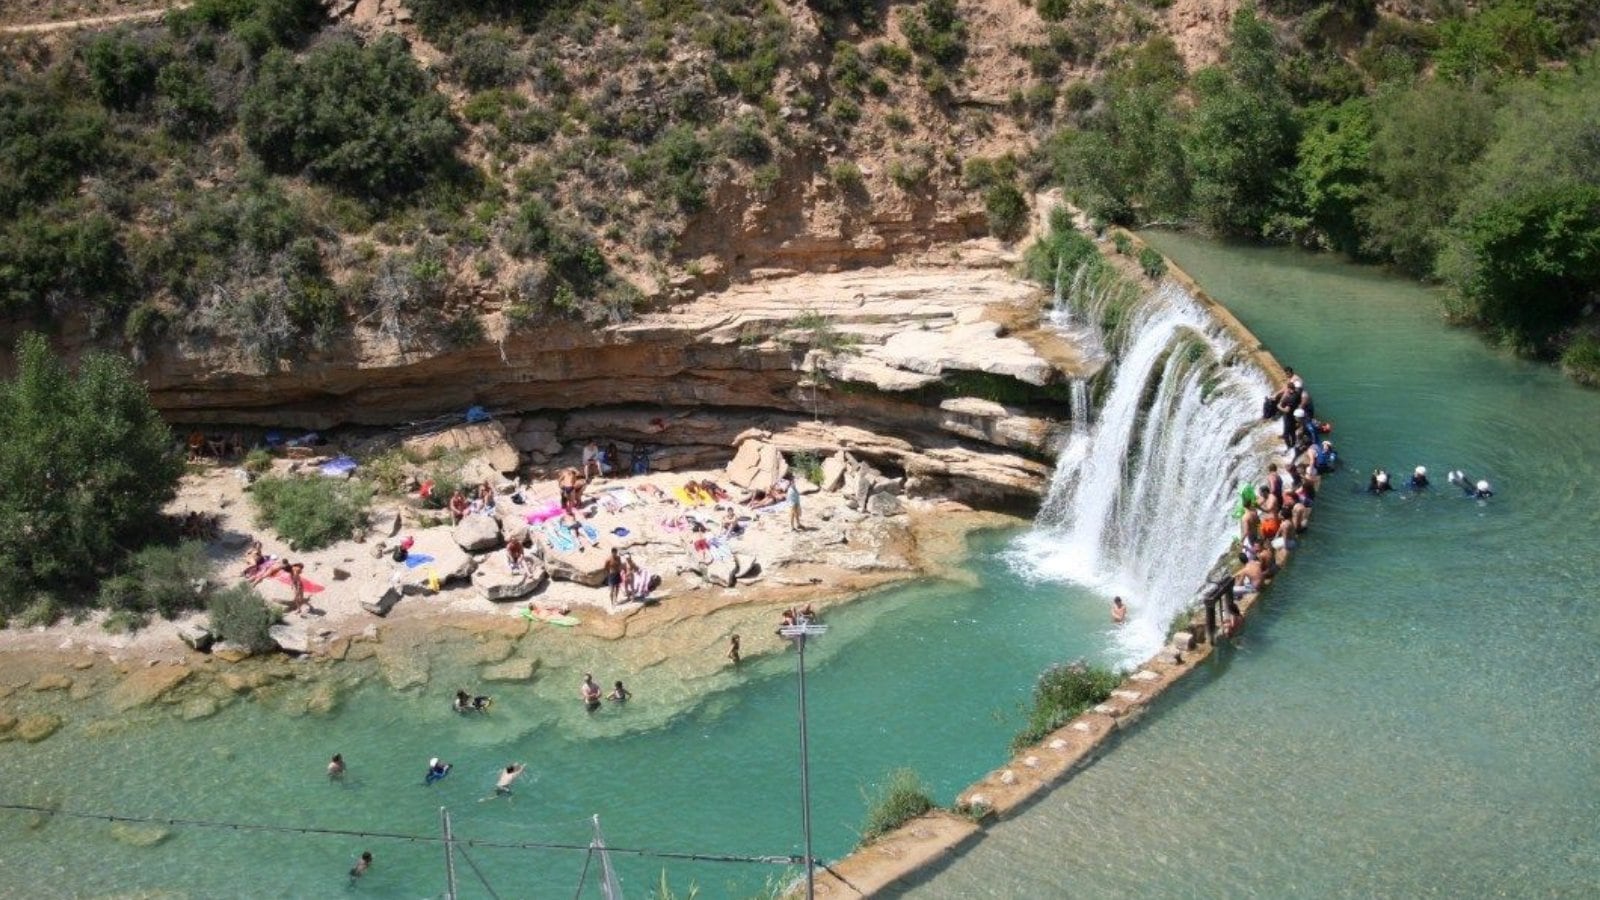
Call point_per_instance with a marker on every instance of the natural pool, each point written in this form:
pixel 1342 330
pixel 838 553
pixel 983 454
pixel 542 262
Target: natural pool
pixel 930 675
pixel 1415 712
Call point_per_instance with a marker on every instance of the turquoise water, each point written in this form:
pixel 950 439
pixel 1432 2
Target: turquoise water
pixel 1415 712
pixel 931 675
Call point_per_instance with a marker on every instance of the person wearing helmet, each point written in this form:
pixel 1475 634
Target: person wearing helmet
pixel 1419 478
pixel 1379 482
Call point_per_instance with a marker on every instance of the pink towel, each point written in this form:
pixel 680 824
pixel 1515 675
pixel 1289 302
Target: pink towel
pixel 311 586
pixel 545 513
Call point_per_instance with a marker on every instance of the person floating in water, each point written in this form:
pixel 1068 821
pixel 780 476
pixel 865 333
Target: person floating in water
pixel 589 692
pixel 1379 482
pixel 437 769
pixel 1477 490
pixel 362 865
pixel 1419 478
pixel 336 766
pixel 619 694
pixel 1119 611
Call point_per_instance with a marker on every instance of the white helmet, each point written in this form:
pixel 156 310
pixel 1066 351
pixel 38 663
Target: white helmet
pixel 1383 477
pixel 1422 470
pixel 1483 485
pixel 433 763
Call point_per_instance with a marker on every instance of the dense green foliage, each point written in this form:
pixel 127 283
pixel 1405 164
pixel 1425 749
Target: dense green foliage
pixel 1459 152
pixel 166 579
pixel 240 616
pixel 311 512
pixel 1061 693
pixel 87 466
pixel 902 797
pixel 363 118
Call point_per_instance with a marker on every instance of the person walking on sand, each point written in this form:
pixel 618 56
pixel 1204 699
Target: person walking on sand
pixel 733 650
pixel 1119 611
pixel 792 494
pixel 336 766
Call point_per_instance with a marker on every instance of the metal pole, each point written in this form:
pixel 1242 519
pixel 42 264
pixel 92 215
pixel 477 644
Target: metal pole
pixel 449 856
pixel 805 777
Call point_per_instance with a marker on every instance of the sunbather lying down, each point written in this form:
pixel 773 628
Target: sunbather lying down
pixel 762 498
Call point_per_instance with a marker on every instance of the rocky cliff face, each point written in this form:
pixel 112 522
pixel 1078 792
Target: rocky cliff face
pixel 922 354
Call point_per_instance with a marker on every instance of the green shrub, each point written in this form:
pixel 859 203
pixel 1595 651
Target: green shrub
pixel 258 461
pixel 1153 263
pixel 744 140
pixel 484 58
pixel 42 611
pixel 808 465
pixel 897 121
pixel 935 30
pixel 1122 243
pixel 389 471
pixel 124 621
pixel 170 579
pixel 847 177
pixel 1581 359
pixel 364 119
pixel 673 167
pixel 88 466
pixel 844 111
pixel 240 616
pixel 1062 692
pixel 908 174
pixel 893 57
pixel 1007 209
pixel 312 512
pixel 122 70
pixel 48 139
pixel 901 798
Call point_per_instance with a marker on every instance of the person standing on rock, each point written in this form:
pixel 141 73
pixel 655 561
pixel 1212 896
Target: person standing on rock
pixel 614 574
pixel 733 650
pixel 792 494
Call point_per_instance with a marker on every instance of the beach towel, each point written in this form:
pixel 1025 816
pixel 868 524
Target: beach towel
pixel 338 467
pixel 562 538
pixel 545 513
pixel 550 616
pixel 619 498
pixel 311 587
pixel 418 559
pixel 640 584
pixel 674 523
pixel 683 497
pixel 761 510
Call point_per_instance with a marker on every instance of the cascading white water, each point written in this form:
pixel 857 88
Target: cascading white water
pixel 1139 502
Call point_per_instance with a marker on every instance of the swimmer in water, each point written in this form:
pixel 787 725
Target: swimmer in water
pixel 1419 478
pixel 502 786
pixel 436 770
pixel 1119 611
pixel 336 766
pixel 1477 490
pixel 619 694
pixel 1379 483
pixel 362 865
pixel 589 692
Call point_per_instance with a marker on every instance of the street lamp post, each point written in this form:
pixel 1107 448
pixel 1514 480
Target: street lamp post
pixel 799 634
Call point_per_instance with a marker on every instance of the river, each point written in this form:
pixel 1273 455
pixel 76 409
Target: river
pixel 1415 712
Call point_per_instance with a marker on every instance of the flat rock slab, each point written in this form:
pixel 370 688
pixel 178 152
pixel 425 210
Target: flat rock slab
pixel 144 686
pixel 36 728
pixel 403 667
pixel 500 586
pixel 511 670
pixel 476 534
pixel 52 682
pixel 486 440
pixel 586 567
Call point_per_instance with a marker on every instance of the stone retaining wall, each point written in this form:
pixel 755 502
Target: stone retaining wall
pixel 931 839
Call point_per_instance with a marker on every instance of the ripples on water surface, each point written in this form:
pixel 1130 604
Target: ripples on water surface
pixel 1416 712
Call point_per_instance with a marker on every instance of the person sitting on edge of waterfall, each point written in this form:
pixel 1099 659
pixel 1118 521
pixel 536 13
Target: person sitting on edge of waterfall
pixel 1119 611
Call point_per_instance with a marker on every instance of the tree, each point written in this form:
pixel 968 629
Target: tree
pixel 87 465
pixel 1331 174
pixel 1424 142
pixel 1242 144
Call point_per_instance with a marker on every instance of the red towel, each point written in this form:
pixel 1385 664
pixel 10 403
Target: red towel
pixel 311 586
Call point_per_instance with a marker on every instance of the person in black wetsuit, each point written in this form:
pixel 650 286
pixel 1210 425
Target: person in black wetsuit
pixel 1419 478
pixel 1379 483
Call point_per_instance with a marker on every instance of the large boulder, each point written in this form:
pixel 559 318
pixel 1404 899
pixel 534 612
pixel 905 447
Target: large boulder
pixel 586 567
pixel 485 440
pixel 724 572
pixel 450 562
pixel 197 636
pixel 502 586
pixel 476 534
pixel 291 638
pixel 833 469
pixel 884 504
pixel 757 465
pixel 385 602
pixel 37 727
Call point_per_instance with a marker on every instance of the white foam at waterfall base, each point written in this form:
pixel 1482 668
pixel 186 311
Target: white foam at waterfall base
pixel 1139 506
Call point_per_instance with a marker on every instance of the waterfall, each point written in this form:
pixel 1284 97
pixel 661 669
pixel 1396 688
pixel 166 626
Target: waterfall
pixel 1139 501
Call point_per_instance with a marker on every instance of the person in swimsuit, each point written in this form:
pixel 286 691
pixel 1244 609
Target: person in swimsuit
pixel 792 494
pixel 362 865
pixel 296 581
pixel 1119 611
pixel 619 694
pixel 437 769
pixel 336 766
pixel 614 574
pixel 590 692
pixel 459 506
pixel 502 785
